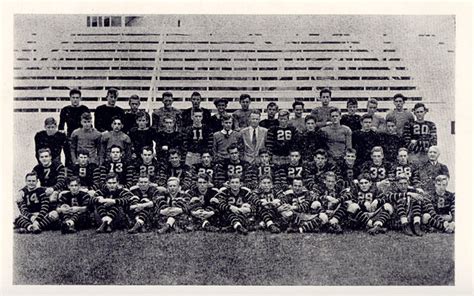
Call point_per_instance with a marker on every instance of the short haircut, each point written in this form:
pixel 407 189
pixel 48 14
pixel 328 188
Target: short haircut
pixel 244 97
pixel 403 149
pixel 144 175
pixel 226 117
pixel 173 179
pixel 256 111
pixel 232 146
pixel 83 152
pixel 112 91
pixel 195 94
pixel 325 90
pixel 86 116
pixel 75 91
pixel 365 176
pixel 134 97
pixel 272 104
pixel 309 117
pixel 265 176
pixel 204 176
pixel 111 175
pixel 116 118
pixel 263 151
pixel 147 148
pixel 334 109
pixel 352 102
pixel 372 101
pixel 419 105
pixel 295 150
pixel 399 96
pixel 402 176
pixel 220 100
pixel 166 94
pixel 206 151
pixel 366 116
pixel 297 103
pixel 441 178
pixel 297 179
pixel 169 117
pixel 173 151
pixel 50 121
pixel 72 179
pixel 321 152
pixel 235 176
pixel 140 114
pixel 329 174
pixel 116 146
pixel 31 174
pixel 392 120
pixel 283 113
pixel 376 149
pixel 351 150
pixel 43 150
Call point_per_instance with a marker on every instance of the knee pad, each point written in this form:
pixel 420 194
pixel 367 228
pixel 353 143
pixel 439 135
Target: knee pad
pixel 352 207
pixel 425 218
pixel 53 215
pixel 388 207
pixel 323 217
pixel 315 205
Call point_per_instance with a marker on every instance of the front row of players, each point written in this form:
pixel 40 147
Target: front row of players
pixel 366 205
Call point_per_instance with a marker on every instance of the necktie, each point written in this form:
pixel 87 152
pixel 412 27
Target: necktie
pixel 254 138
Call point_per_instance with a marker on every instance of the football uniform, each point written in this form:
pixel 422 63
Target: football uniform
pixel 182 172
pixel 180 200
pixel 89 175
pixel 143 196
pixel 202 201
pixel 314 174
pixel 81 199
pixel 363 142
pixel 141 138
pixel 379 172
pixel 33 202
pixel 227 168
pixel 286 173
pixel 122 199
pixel 124 171
pixel 151 170
pixel 280 140
pixel 226 198
pixel 424 133
pixel 52 176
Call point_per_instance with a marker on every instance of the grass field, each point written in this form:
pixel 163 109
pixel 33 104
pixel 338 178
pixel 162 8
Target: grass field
pixel 199 258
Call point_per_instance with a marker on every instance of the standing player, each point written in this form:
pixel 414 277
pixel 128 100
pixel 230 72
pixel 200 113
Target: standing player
pixel 116 137
pixel 272 111
pixel 187 114
pixel 54 140
pixel 71 115
pixel 281 139
pixel 141 135
pixel 119 166
pixel 147 165
pixel 399 115
pixel 110 202
pixel 232 166
pixel 104 114
pixel 215 123
pixel 73 206
pixel 87 172
pixel 364 140
pixel 167 111
pixel 167 139
pixel 310 140
pixel 131 116
pixel 86 138
pixel 420 134
pixel 224 138
pixel 322 113
pixel 202 212
pixel 351 119
pixel 431 168
pixel 34 207
pixel 390 141
pixel 233 204
pixel 242 116
pixel 141 204
pixel 175 168
pixel 378 122
pixel 172 208
pixel 298 121
pixel 51 175
pixel 253 138
pixel 196 138
pixel 338 137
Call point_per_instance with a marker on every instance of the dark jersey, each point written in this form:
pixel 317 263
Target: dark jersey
pixel 352 121
pixel 424 133
pixel 280 140
pixel 130 121
pixel 260 170
pixel 182 172
pixel 268 123
pixel 377 173
pixel 121 196
pixel 323 192
pixel 124 171
pixel 89 175
pixel 141 138
pixel 200 168
pixel 143 196
pixel 308 142
pixel 228 198
pixel 152 170
pixel 408 170
pixel 197 139
pixel 180 200
pixel 443 203
pixel 390 144
pixel 71 116
pixel 81 199
pixel 34 201
pixel 286 173
pixel 363 142
pixel 166 141
pixel 103 117
pixel 315 175
pixel 360 197
pixel 55 143
pixel 301 200
pixel 200 200
pixel 346 173
pixel 52 176
pixel 227 168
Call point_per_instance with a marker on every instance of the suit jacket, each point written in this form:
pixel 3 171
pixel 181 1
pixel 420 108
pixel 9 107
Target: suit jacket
pixel 251 152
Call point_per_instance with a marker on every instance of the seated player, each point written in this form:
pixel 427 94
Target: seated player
pixel 141 135
pixel 327 205
pixel 310 140
pixel 438 211
pixel 232 166
pixel 172 208
pixel 233 204
pixel 378 169
pixel 347 169
pixel 285 173
pixel 51 138
pixel 365 139
pixel 88 173
pixel 222 139
pixel 294 209
pixel 118 165
pixel 110 202
pixel 408 205
pixel 266 200
pixel 202 212
pixel 51 175
pixel 205 166
pixel 73 207
pixel 390 141
pixel 116 137
pixel 404 167
pixel 367 207
pixel 147 165
pixel 175 168
pixel 167 139
pixel 141 204
pixel 197 138
pixel 33 205
pixel 281 139
pixel 351 119
pixel 317 169
pixel 262 167
pixel 86 138
pixel 431 168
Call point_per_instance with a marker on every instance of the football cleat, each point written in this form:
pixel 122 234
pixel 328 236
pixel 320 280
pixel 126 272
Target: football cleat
pixel 292 230
pixel 102 228
pixel 135 229
pixel 274 229
pixel 242 230
pixel 210 228
pixel 406 229
pixel 109 228
pixel 164 229
pixel 416 229
pixel 335 228
pixel 376 230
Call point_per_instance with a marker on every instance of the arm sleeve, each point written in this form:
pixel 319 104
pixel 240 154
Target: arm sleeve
pixel 44 206
pixel 61 178
pixel 22 205
pixel 62 119
pixel 73 148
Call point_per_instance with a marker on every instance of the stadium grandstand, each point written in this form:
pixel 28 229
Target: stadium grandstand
pixel 271 58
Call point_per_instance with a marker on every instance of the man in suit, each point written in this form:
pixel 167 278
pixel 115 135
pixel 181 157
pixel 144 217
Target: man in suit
pixel 254 137
pixel 187 114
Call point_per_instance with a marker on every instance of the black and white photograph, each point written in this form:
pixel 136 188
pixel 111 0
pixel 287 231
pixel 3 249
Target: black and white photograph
pixel 235 149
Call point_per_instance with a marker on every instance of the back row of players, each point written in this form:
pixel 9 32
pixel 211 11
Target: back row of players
pixel 296 174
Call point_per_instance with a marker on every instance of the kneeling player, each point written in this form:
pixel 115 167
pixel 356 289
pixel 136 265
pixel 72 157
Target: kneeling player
pixel 438 211
pixel 34 207
pixel 110 201
pixel 233 203
pixel 141 203
pixel 200 208
pixel 266 201
pixel 171 207
pixel 73 206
